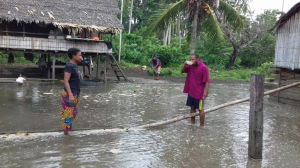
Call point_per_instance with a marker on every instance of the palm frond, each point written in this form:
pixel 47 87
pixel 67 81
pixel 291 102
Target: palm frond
pixel 231 16
pixel 210 26
pixel 162 17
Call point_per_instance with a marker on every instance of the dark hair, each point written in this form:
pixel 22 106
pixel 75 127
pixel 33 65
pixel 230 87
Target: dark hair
pixel 195 54
pixel 73 51
pixel 154 56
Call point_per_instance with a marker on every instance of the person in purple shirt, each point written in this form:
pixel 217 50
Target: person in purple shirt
pixel 196 85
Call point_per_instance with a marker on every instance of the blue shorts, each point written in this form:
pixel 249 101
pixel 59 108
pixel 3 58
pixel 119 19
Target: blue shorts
pixel 196 103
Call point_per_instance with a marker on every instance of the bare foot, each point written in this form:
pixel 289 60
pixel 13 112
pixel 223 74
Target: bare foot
pixel 66 132
pixel 193 120
pixel 202 125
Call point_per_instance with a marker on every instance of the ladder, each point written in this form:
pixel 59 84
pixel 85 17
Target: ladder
pixel 110 59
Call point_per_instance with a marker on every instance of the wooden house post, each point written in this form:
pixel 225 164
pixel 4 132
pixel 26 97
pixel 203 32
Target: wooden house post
pixel 105 80
pixel 23 29
pixel 83 67
pixel 98 62
pixel 90 68
pixel 53 66
pixel 49 67
pixel 256 116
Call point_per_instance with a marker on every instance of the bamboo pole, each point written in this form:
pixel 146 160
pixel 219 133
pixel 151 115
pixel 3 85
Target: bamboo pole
pixel 214 108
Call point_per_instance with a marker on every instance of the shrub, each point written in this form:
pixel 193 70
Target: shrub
pixel 163 72
pixel 264 69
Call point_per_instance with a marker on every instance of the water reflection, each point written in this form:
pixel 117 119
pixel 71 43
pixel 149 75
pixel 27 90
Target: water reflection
pixel 222 143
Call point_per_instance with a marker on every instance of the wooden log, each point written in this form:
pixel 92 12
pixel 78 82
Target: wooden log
pixel 214 108
pixel 256 116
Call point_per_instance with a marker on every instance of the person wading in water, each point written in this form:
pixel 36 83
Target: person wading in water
pixel 70 96
pixel 196 85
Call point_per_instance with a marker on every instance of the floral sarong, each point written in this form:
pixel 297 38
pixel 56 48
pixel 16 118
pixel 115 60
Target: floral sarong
pixel 68 111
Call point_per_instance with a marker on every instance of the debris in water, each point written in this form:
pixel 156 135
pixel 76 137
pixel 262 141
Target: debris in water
pixel 135 91
pixel 115 151
pixel 126 128
pixel 23 134
pixel 51 91
pixel 285 117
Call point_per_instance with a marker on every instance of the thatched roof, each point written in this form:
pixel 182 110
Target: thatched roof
pixel 283 19
pixel 98 15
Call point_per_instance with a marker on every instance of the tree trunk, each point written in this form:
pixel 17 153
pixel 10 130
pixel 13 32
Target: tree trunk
pixel 194 31
pixel 233 57
pixel 165 37
pixel 169 34
pixel 130 17
pixel 179 33
pixel 217 4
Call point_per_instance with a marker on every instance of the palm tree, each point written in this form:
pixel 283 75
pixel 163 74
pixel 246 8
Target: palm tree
pixel 201 15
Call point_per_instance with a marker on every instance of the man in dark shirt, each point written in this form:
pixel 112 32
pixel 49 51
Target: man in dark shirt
pixel 70 96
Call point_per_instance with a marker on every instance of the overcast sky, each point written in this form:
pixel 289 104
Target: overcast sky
pixel 260 5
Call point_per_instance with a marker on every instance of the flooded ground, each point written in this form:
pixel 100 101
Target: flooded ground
pixel 221 143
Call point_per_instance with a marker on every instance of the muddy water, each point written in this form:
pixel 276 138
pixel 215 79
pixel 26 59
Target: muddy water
pixel 222 143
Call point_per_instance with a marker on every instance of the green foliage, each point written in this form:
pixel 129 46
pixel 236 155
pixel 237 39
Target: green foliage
pixel 237 74
pixel 163 15
pixel 264 69
pixel 210 26
pixel 139 50
pixel 127 64
pixel 231 16
pixel 163 72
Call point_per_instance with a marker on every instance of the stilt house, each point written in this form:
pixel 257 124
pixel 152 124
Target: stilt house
pixel 287 55
pixel 51 27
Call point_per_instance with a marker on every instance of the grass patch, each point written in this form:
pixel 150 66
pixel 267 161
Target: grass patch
pixel 127 64
pixel 236 74
pixel 163 72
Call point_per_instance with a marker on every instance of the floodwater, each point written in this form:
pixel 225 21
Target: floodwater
pixel 221 143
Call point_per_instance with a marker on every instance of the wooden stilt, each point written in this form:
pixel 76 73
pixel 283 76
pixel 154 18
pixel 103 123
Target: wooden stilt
pixel 256 116
pixel 49 67
pixel 97 73
pixel 90 68
pixel 53 66
pixel 105 66
pixel 279 84
pixel 83 68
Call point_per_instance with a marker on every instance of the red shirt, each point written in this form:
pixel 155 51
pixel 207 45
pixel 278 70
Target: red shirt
pixel 195 80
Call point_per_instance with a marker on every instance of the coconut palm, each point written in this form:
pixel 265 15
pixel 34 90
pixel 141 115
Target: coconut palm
pixel 201 16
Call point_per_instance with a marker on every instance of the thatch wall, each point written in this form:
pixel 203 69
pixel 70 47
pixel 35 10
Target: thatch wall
pixel 94 15
pixel 287 52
